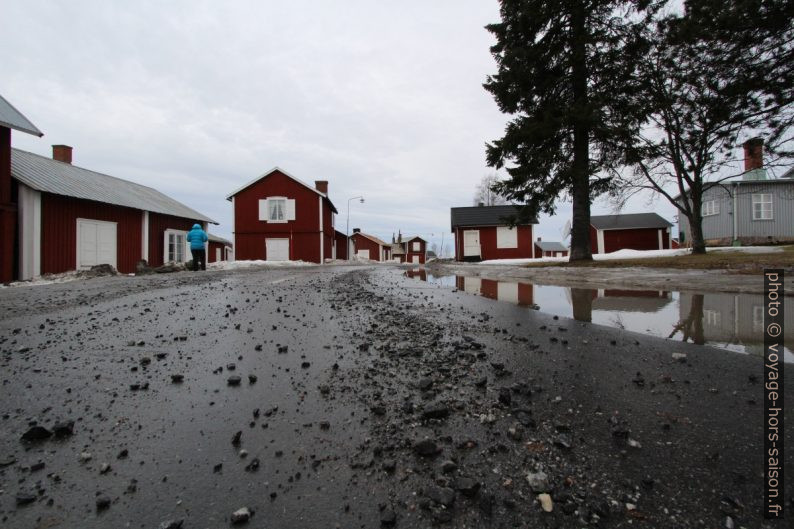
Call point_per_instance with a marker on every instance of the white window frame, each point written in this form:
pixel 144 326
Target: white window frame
pixel 166 244
pixel 271 203
pixel 288 210
pixel 711 207
pixel 764 213
pixel 506 237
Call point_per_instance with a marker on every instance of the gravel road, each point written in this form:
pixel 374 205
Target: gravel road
pixel 354 397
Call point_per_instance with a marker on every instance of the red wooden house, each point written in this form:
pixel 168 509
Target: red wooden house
pixel 512 292
pixel 73 218
pixel 10 118
pixel 219 249
pixel 370 247
pixel 411 249
pixel 280 218
pixel 632 231
pixel 341 245
pixel 484 232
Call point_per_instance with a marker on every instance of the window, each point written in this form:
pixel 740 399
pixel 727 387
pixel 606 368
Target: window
pixel 175 246
pixel 711 207
pixel 762 206
pixel 276 209
pixel 506 237
pixel 416 246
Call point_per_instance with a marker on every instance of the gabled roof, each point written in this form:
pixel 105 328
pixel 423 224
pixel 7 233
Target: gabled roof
pixel 13 119
pixel 372 238
pixel 485 216
pixel 59 178
pixel 285 173
pixel 412 237
pixel 551 246
pixel 215 238
pixel 397 248
pixel 628 221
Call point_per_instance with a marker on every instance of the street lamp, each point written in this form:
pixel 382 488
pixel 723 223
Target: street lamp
pixel 347 225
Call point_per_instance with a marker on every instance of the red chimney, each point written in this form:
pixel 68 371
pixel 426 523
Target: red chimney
pixel 753 154
pixel 538 239
pixel 322 186
pixel 62 153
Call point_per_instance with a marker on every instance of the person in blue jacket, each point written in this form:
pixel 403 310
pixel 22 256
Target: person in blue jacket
pixel 197 237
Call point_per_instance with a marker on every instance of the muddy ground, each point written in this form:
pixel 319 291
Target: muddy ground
pixel 692 280
pixel 363 400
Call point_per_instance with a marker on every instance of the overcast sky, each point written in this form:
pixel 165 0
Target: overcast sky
pixel 196 98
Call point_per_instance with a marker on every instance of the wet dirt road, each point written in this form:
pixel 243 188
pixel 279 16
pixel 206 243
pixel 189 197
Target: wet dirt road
pixel 374 402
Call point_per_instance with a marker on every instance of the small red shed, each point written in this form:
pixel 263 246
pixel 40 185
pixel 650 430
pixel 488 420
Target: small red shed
pixel 340 245
pixel 280 218
pixel 485 232
pixel 413 249
pixel 370 247
pixel 219 249
pixel 629 231
pixel 74 218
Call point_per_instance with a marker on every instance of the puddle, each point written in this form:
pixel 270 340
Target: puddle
pixel 728 321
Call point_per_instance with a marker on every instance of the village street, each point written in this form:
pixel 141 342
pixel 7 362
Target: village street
pixel 354 397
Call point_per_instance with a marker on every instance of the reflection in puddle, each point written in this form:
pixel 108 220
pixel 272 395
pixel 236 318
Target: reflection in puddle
pixel 728 321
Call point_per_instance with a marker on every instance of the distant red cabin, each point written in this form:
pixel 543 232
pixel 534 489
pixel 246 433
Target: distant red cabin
pixel 631 231
pixel 485 232
pixel 280 218
pixel 550 249
pixel 370 247
pixel 219 249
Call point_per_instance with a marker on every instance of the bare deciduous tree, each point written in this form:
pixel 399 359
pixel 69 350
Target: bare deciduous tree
pixel 486 195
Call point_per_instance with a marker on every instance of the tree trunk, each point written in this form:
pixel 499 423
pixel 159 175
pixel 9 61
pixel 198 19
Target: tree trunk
pixel 580 192
pixel 696 223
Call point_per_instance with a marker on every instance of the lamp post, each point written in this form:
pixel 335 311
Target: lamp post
pixel 347 224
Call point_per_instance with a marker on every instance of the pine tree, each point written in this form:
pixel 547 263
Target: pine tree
pixel 566 71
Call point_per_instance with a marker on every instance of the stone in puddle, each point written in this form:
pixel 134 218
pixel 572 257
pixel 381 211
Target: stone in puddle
pixel 63 429
pixel 234 380
pixel 435 411
pixel 538 481
pixel 467 486
pixel 102 502
pixel 176 379
pixel 426 448
pixel 442 495
pixel 545 502
pixel 241 515
pixel 388 518
pixel 24 498
pixel 172 524
pixel 36 433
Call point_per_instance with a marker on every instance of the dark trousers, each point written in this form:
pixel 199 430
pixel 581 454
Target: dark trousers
pixel 199 255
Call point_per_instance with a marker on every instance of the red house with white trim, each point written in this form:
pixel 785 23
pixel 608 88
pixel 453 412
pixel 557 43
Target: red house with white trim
pixel 370 247
pixel 218 249
pixel 629 231
pixel 280 218
pixel 411 249
pixel 72 218
pixel 484 232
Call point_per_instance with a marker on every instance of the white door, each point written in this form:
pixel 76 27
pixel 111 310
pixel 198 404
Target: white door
pixel 217 255
pixel 364 254
pixel 415 259
pixel 277 249
pixel 472 285
pixel 471 243
pixel 507 292
pixel 96 243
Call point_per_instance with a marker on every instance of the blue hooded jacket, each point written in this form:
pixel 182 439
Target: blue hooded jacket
pixel 197 237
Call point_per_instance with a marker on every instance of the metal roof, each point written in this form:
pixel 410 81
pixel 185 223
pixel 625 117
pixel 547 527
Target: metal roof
pixel 12 118
pixel 215 238
pixel 628 221
pixel 551 246
pixel 372 238
pixel 485 216
pixel 285 173
pixel 59 178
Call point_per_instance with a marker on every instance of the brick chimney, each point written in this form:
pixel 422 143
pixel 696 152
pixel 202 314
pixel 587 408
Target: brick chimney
pixel 538 239
pixel 62 153
pixel 753 154
pixel 356 230
pixel 321 186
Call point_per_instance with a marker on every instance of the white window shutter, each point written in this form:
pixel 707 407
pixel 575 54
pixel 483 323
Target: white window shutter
pixel 290 209
pixel 263 210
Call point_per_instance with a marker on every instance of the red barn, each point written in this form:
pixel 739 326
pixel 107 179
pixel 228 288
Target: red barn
pixel 550 249
pixel 484 232
pixel 218 249
pixel 73 218
pixel 340 245
pixel 280 218
pixel 10 118
pixel 631 231
pixel 411 249
pixel 370 247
